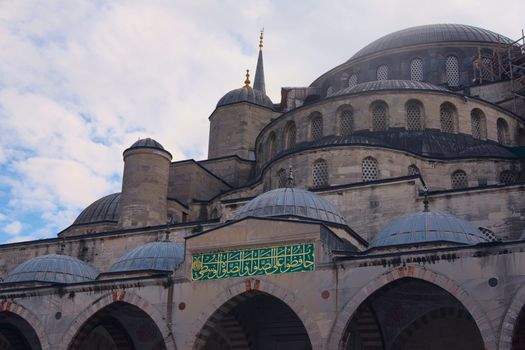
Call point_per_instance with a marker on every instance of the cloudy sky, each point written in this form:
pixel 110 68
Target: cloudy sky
pixel 82 80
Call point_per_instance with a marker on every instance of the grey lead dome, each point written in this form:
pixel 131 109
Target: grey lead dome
pixel 425 227
pixel 246 94
pixel 291 202
pixel 432 33
pixel 52 268
pixel 162 256
pixel 105 209
pixel 147 143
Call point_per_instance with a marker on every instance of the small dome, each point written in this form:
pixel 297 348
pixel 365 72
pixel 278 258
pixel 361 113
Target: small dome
pixel 291 202
pixel 52 268
pixel 147 143
pixel 426 227
pixel 105 209
pixel 389 85
pixel 246 94
pixel 432 33
pixel 163 256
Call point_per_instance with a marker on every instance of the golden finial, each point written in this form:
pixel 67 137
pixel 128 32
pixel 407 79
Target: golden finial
pixel 247 81
pixel 261 39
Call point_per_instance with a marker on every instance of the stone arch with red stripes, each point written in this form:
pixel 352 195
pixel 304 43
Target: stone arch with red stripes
pixel 511 317
pixel 483 323
pixel 239 292
pixel 125 297
pixel 30 318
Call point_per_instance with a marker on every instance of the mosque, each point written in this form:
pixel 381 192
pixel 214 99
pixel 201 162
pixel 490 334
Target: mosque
pixel 381 207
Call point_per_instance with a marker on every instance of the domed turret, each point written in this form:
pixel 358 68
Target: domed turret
pixel 428 227
pixel 144 185
pixel 52 268
pixel 291 202
pixel 162 256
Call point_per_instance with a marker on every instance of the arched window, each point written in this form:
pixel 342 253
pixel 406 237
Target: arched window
pixel 282 176
pixel 486 69
pixel 413 170
pixel 379 116
pixel 346 122
pixel 320 173
pixel 414 118
pixel 416 69
pixel 214 214
pixel 316 126
pixel 270 145
pixel 452 70
pixel 370 169
pixel 352 81
pixel 503 131
pixel 507 177
pixel 478 124
pixel 382 72
pixel 459 179
pixel 447 115
pixel 290 133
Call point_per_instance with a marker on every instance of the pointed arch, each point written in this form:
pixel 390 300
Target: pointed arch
pixel 416 272
pixel 29 317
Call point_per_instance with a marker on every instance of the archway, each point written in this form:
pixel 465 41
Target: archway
pixel 253 320
pixel 518 335
pixel 411 314
pixel 16 333
pixel 118 326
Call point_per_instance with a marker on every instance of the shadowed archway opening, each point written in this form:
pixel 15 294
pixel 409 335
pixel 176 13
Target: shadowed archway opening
pixel 518 336
pixel 119 326
pixel 16 333
pixel 411 314
pixel 253 320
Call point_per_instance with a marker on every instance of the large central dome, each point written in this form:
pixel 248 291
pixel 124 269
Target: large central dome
pixel 432 33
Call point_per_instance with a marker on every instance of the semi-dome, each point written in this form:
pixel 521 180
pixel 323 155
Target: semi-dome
pixel 427 226
pixel 147 143
pixel 432 33
pixel 105 209
pixel 163 256
pixel 291 202
pixel 246 94
pixel 52 268
pixel 378 85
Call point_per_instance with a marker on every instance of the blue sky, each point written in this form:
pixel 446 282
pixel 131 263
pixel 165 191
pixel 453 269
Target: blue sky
pixel 82 80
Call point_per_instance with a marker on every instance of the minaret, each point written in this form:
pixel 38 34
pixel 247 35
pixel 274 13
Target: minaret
pixel 258 82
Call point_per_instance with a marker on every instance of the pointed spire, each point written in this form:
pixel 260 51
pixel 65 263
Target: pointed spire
pixel 258 82
pixel 247 81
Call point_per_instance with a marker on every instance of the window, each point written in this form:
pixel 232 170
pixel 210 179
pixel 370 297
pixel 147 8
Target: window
pixel 282 177
pixel 352 81
pixel 478 124
pixel 370 169
pixel 507 177
pixel 414 116
pixel 416 69
pixel 503 131
pixel 330 91
pixel 447 114
pixel 413 170
pixel 452 70
pixel 270 145
pixel 382 72
pixel 320 173
pixel 346 122
pixel 379 116
pixel 459 179
pixel 290 133
pixel 316 126
pixel 486 69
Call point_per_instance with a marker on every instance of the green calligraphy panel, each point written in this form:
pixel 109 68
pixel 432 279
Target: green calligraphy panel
pixel 253 262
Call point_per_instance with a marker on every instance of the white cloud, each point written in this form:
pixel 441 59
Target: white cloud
pixel 13 228
pixel 3 217
pixel 82 80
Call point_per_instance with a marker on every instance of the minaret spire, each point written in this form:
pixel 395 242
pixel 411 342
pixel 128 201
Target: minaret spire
pixel 258 81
